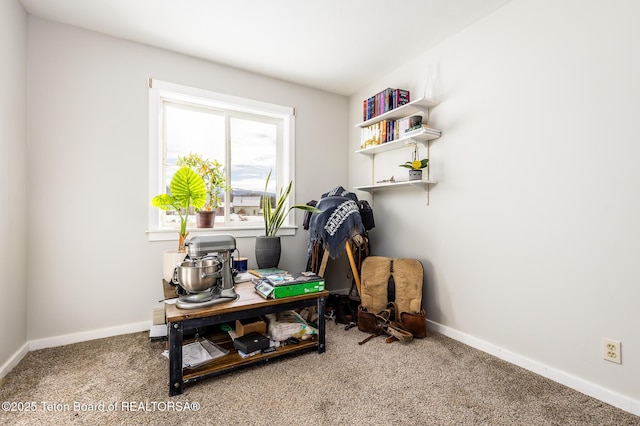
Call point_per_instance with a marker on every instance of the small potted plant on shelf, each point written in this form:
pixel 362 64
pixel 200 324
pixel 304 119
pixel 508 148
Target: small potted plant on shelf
pixel 268 245
pixel 212 174
pixel 415 166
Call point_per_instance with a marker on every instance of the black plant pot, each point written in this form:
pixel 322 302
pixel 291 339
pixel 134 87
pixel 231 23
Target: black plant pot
pixel 267 252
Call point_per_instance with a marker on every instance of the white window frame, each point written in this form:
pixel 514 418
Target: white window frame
pixel 285 151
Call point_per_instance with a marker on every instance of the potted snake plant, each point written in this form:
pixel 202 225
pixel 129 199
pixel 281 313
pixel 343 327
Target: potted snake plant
pixel 268 246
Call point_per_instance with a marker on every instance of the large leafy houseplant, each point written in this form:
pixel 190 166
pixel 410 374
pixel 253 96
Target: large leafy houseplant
pixel 274 216
pixel 187 190
pixel 212 172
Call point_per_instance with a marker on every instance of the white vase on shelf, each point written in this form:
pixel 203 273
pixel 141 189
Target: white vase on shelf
pixel 432 82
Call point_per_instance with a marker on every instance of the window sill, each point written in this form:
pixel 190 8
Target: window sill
pixel 237 232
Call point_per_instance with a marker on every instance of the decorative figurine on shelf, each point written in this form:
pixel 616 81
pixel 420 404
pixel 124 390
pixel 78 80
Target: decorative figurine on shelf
pixel 415 166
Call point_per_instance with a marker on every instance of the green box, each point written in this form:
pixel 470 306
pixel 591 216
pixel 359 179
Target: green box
pixel 282 291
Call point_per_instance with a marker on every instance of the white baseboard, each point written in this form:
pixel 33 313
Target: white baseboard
pixel 581 385
pixel 68 339
pixel 14 360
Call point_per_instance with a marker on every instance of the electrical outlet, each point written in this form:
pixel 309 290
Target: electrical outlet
pixel 611 350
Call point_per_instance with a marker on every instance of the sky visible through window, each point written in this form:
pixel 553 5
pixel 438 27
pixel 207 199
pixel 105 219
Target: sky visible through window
pixel 252 152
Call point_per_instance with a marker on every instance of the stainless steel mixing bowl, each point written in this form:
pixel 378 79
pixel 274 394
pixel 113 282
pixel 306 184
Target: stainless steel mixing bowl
pixel 198 275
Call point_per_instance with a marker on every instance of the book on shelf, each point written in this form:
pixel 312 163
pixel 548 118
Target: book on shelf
pixel 384 101
pixel 385 131
pixel 422 129
pixel 403 98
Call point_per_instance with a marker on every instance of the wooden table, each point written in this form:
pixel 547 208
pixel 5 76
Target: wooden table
pixel 250 304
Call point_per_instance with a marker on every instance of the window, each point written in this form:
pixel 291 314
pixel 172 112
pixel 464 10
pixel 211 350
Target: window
pixel 249 138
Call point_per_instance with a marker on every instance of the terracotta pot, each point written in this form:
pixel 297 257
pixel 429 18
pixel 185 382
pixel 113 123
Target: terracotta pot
pixel 205 219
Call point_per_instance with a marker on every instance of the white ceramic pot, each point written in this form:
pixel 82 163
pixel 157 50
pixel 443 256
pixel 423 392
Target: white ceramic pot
pixel 415 174
pixel 170 259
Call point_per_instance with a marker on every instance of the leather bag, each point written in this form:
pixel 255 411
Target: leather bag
pixel 416 324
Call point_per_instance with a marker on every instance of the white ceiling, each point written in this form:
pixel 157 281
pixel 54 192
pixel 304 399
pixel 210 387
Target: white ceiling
pixel 334 45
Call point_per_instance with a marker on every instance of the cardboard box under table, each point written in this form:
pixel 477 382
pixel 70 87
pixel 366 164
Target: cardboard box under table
pixel 250 325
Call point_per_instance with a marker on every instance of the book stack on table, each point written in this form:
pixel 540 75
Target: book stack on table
pixel 273 283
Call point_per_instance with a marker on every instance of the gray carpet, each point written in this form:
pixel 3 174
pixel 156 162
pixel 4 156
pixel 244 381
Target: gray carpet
pixel 434 381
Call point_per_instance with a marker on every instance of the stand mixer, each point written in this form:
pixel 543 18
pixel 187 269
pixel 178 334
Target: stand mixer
pixel 205 278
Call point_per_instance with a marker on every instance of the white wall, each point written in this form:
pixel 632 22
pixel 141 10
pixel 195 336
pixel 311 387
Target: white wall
pixel 13 180
pixel 93 266
pixel 530 240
